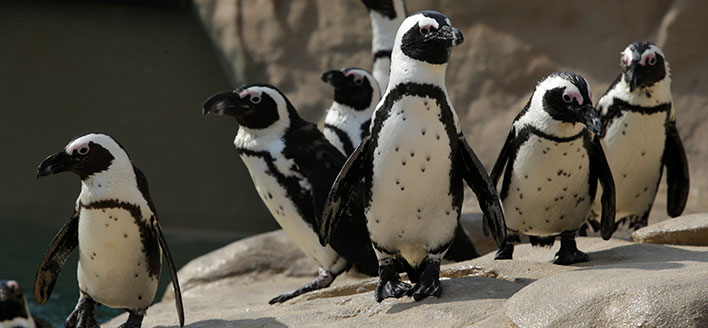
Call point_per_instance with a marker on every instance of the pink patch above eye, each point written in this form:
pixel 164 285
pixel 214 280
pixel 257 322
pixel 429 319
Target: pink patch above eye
pixel 573 95
pixel 646 57
pixel 245 93
pixel 627 60
pixel 75 148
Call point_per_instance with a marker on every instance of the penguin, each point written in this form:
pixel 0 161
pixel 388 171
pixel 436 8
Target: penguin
pixel 347 123
pixel 412 165
pixel 293 166
pixel 14 311
pixel 115 227
pixel 640 136
pixel 553 161
pixel 386 16
pixel 356 94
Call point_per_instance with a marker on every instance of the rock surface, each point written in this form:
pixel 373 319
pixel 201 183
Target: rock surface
pixel 624 285
pixel 508 46
pixel 684 230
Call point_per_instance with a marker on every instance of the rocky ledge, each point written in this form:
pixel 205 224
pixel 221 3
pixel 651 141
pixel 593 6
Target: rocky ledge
pixel 626 284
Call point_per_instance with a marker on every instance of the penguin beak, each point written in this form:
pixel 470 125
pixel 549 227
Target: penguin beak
pixel 449 35
pixel 335 78
pixel 591 118
pixel 224 103
pixel 632 77
pixel 57 163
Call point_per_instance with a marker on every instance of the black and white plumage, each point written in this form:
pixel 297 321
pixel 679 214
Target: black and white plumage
pixel 14 311
pixel 386 16
pixel 553 162
pixel 640 135
pixel 356 95
pixel 114 226
pixel 413 165
pixel 293 167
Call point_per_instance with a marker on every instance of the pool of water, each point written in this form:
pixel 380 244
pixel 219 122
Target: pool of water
pixel 24 243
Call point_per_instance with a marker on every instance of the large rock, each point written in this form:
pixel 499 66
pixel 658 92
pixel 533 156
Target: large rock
pixel 684 230
pixel 624 285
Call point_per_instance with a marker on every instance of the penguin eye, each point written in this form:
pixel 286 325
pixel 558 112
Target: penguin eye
pixel 255 99
pixel 358 81
pixel 567 98
pixel 83 150
pixel 425 30
pixel 652 61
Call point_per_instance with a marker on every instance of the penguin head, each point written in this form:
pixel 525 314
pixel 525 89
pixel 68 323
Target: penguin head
pixel 255 106
pixel 386 8
pixel 353 87
pixel 643 64
pixel 86 156
pixel 12 301
pixel 427 36
pixel 564 97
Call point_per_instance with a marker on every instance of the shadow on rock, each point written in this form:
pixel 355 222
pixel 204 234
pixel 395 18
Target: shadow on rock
pixel 643 256
pixel 260 322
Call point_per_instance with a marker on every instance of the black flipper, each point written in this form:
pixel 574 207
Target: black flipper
pixel 173 271
pixel 343 188
pixel 502 158
pixel 476 176
pixel 157 230
pixel 677 176
pixel 600 168
pixel 63 244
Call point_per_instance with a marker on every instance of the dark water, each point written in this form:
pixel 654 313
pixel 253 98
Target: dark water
pixel 24 244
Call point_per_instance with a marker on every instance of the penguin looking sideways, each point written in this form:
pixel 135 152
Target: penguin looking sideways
pixel 356 94
pixel 386 16
pixel 553 161
pixel 114 226
pixel 412 165
pixel 640 136
pixel 293 166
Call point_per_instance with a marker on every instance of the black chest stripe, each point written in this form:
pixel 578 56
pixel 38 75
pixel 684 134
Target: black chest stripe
pixel 445 116
pixel 382 54
pixel 365 129
pixel 618 106
pixel 343 138
pixel 302 200
pixel 151 247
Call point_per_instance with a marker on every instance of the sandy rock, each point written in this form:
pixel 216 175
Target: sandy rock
pixel 684 230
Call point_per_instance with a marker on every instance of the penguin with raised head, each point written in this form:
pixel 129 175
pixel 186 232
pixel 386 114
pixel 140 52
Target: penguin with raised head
pixel 14 311
pixel 412 165
pixel 114 226
pixel 386 16
pixel 553 161
pixel 356 94
pixel 640 136
pixel 293 167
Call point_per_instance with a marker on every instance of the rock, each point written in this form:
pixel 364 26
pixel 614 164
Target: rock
pixel 684 230
pixel 624 285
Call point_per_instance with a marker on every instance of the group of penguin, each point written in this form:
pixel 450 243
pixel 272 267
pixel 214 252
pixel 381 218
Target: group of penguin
pixel 380 189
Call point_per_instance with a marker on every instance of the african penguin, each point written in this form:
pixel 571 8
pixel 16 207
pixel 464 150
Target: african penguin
pixel 640 135
pixel 386 16
pixel 413 163
pixel 116 229
pixel 293 167
pixel 553 162
pixel 14 311
pixel 356 94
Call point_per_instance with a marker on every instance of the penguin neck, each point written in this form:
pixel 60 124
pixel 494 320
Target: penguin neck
pixel 339 114
pixel 542 121
pixel 407 70
pixel 118 181
pixel 656 94
pixel 383 29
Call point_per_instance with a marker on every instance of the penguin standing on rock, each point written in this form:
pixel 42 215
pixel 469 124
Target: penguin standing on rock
pixel 356 94
pixel 293 167
pixel 640 136
pixel 115 227
pixel 412 165
pixel 553 162
pixel 386 16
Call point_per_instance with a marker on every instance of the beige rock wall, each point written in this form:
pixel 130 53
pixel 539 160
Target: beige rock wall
pixel 508 46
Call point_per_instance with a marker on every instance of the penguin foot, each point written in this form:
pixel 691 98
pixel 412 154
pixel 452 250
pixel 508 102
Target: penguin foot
pixel 390 288
pixel 83 314
pixel 429 282
pixel 322 281
pixel 505 252
pixel 135 319
pixel 568 252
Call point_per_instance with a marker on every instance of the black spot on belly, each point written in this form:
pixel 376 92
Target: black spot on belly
pixel 548 208
pixel 643 153
pixel 565 188
pixel 427 158
pixel 403 188
pixel 403 163
pixel 636 196
pixel 539 188
pixel 437 136
pixel 125 235
pixel 562 217
pixel 136 275
pixel 398 181
pixel 564 154
pixel 521 196
pixel 422 132
pixel 106 225
pixel 447 212
pixel 559 172
pixel 549 180
pixel 547 221
pixel 544 151
pixel 645 188
pixel 270 196
pixel 140 297
pixel 624 175
pixel 396 148
pixel 412 154
pixel 422 169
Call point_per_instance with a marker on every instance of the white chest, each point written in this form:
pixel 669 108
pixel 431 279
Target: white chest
pixel 112 263
pixel 18 323
pixel 347 120
pixel 548 190
pixel 411 208
pixel 634 146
